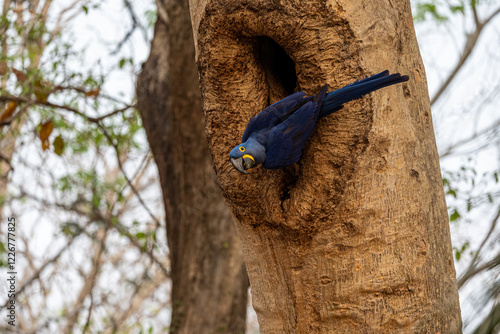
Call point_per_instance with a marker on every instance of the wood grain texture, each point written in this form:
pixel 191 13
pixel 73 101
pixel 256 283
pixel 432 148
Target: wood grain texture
pixel 355 237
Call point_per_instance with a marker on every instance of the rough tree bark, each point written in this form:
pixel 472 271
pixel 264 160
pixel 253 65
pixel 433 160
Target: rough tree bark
pixel 355 237
pixel 209 280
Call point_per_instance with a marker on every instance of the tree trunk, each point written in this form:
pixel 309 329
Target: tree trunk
pixel 355 237
pixel 209 280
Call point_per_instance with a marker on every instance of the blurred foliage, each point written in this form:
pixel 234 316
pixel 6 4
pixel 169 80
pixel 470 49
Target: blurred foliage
pixel 471 186
pixel 439 11
pixel 82 161
pixel 74 154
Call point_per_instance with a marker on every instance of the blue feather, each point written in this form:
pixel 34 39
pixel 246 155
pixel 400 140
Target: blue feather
pixel 270 116
pixel 286 141
pixel 276 136
pixel 334 100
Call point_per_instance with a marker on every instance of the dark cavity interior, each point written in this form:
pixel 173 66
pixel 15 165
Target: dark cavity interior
pixel 278 66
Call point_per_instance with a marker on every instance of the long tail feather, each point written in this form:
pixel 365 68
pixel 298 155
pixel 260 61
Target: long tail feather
pixel 334 101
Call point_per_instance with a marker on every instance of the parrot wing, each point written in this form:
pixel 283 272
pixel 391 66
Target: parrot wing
pixel 286 141
pixel 335 100
pixel 270 116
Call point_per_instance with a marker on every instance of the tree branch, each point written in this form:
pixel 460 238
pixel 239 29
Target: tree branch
pixel 490 323
pixel 142 292
pixel 29 102
pixel 449 150
pixel 98 216
pixel 90 280
pixel 135 24
pixel 37 274
pixel 472 269
pixel 139 197
pixel 466 52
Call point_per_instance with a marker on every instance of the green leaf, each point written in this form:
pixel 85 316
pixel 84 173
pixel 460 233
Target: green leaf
pixel 151 16
pixel 85 9
pixel 140 235
pixel 452 192
pixel 58 145
pixel 465 246
pixel 454 216
pixel 446 182
pixel 96 200
pixel 428 8
pixel 457 9
pixel 71 228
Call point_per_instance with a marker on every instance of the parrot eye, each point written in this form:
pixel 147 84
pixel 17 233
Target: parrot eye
pixel 242 149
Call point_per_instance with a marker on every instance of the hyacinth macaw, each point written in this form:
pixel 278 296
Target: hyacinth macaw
pixel 276 136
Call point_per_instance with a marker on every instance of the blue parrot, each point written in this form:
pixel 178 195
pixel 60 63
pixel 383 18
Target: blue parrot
pixel 276 136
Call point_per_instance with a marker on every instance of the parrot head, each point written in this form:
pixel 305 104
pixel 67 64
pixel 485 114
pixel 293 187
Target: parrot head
pixel 247 155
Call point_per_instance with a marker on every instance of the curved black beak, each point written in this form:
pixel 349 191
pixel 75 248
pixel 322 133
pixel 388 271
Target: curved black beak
pixel 241 164
pixel 238 164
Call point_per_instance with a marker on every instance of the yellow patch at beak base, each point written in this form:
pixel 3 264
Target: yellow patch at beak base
pixel 248 156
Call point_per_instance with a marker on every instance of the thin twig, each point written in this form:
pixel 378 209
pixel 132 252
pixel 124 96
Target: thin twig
pixel 139 172
pixel 7 161
pixel 37 274
pixel 113 144
pixel 90 280
pixel 466 52
pixel 135 25
pixel 98 216
pixel 473 269
pixel 449 150
pixel 28 101
pixel 89 314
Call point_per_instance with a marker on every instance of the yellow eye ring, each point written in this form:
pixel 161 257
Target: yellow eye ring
pixel 242 149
